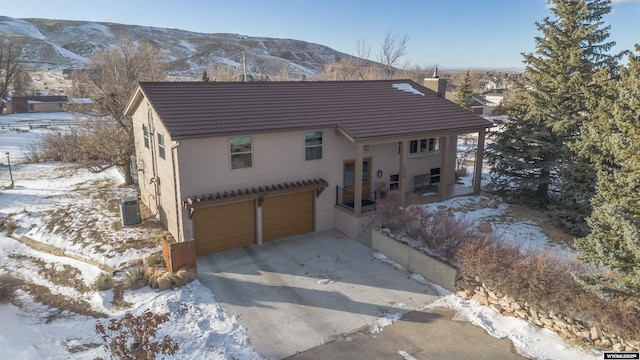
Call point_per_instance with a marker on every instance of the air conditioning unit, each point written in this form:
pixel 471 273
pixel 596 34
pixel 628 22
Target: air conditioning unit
pixel 130 211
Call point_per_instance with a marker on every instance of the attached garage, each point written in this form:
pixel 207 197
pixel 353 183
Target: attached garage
pixel 287 215
pixel 225 226
pixel 228 220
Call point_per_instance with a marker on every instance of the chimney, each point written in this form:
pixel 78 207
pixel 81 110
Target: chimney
pixel 436 84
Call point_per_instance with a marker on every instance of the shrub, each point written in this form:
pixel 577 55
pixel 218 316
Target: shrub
pixel 134 337
pixel 156 260
pixel 442 232
pixel 10 227
pixel 548 282
pixel 103 282
pixel 8 285
pixel 135 279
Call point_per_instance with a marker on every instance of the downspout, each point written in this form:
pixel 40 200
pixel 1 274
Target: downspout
pixel 154 161
pixel 175 188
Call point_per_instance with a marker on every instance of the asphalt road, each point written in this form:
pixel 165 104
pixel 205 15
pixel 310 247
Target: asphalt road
pixel 419 335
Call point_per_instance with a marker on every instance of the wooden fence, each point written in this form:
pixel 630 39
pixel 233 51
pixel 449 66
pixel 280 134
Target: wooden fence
pixel 179 255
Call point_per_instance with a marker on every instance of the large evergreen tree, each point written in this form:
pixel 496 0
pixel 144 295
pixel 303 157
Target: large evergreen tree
pixel 533 153
pixel 614 139
pixel 465 92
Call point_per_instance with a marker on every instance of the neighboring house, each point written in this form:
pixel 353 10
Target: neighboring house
pixel 481 106
pixel 79 105
pixel 233 164
pixel 487 84
pixel 29 104
pixel 495 96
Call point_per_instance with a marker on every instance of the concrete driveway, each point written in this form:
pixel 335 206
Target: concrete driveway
pixel 297 293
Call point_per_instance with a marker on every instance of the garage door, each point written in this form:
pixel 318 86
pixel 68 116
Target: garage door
pixel 287 215
pixel 224 227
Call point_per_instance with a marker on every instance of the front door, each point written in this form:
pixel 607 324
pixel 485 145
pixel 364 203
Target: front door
pixel 349 177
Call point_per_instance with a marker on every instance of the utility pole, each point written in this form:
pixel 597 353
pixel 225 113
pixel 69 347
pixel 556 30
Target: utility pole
pixel 244 67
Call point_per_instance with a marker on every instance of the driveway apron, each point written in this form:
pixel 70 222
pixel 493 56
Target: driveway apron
pixel 297 293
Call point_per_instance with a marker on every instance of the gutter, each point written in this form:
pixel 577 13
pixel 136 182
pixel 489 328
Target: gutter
pixel 175 189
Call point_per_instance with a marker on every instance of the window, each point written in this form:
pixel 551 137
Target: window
pixel 145 134
pixel 424 146
pixel 161 145
pixel 313 145
pixel 393 181
pixel 241 155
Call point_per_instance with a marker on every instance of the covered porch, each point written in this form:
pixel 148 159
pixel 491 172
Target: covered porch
pixel 412 169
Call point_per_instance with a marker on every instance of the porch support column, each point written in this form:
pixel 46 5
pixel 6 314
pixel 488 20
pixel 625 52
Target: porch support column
pixel 477 175
pixel 401 172
pixel 357 181
pixel 258 220
pixel 444 155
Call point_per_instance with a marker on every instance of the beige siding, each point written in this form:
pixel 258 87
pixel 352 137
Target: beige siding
pixel 385 157
pixel 277 157
pixel 205 167
pixel 151 194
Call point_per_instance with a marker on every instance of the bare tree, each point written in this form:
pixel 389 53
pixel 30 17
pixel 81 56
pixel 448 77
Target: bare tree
pixel 223 72
pixel 107 138
pixel 22 84
pixel 393 47
pixel 11 53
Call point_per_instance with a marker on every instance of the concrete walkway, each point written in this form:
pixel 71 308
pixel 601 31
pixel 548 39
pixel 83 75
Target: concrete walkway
pixel 297 293
pixel 420 335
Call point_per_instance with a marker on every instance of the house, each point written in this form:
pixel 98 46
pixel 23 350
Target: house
pixel 481 106
pixel 233 164
pixel 495 96
pixel 29 104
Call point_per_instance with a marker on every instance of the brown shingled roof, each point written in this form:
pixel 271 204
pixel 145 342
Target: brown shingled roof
pixel 362 109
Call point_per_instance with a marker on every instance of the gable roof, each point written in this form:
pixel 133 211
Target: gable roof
pixel 361 109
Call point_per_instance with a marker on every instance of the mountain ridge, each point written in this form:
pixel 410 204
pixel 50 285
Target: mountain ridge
pixel 61 44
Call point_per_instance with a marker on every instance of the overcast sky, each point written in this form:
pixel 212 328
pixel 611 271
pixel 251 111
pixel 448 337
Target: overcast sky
pixel 447 33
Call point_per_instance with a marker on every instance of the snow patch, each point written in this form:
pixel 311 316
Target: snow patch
pixel 406 87
pixel 386 320
pixel 529 340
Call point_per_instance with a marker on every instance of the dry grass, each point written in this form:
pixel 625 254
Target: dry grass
pixel 540 218
pixel 8 285
pixel 135 278
pixel 547 281
pixel 103 282
pixel 61 274
pixel 59 304
pixel 544 279
pixel 442 232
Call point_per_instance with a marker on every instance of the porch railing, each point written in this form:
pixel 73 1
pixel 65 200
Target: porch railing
pixel 345 198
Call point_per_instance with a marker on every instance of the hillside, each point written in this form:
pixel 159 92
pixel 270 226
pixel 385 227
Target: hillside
pixel 61 44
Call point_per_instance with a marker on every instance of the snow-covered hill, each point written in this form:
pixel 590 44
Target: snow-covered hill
pixel 59 44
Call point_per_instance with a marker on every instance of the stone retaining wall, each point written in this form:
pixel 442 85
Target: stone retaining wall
pixel 571 330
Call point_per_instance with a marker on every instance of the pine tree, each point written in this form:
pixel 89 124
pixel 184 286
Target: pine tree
pixel 614 241
pixel 205 77
pixel 546 117
pixel 464 95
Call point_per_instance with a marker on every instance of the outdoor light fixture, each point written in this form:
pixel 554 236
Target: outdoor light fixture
pixel 366 148
pixel 10 173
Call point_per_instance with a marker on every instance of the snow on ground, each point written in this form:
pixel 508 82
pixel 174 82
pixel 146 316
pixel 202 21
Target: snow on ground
pixel 525 233
pixel 529 340
pixel 197 323
pixel 18 131
pixel 78 211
